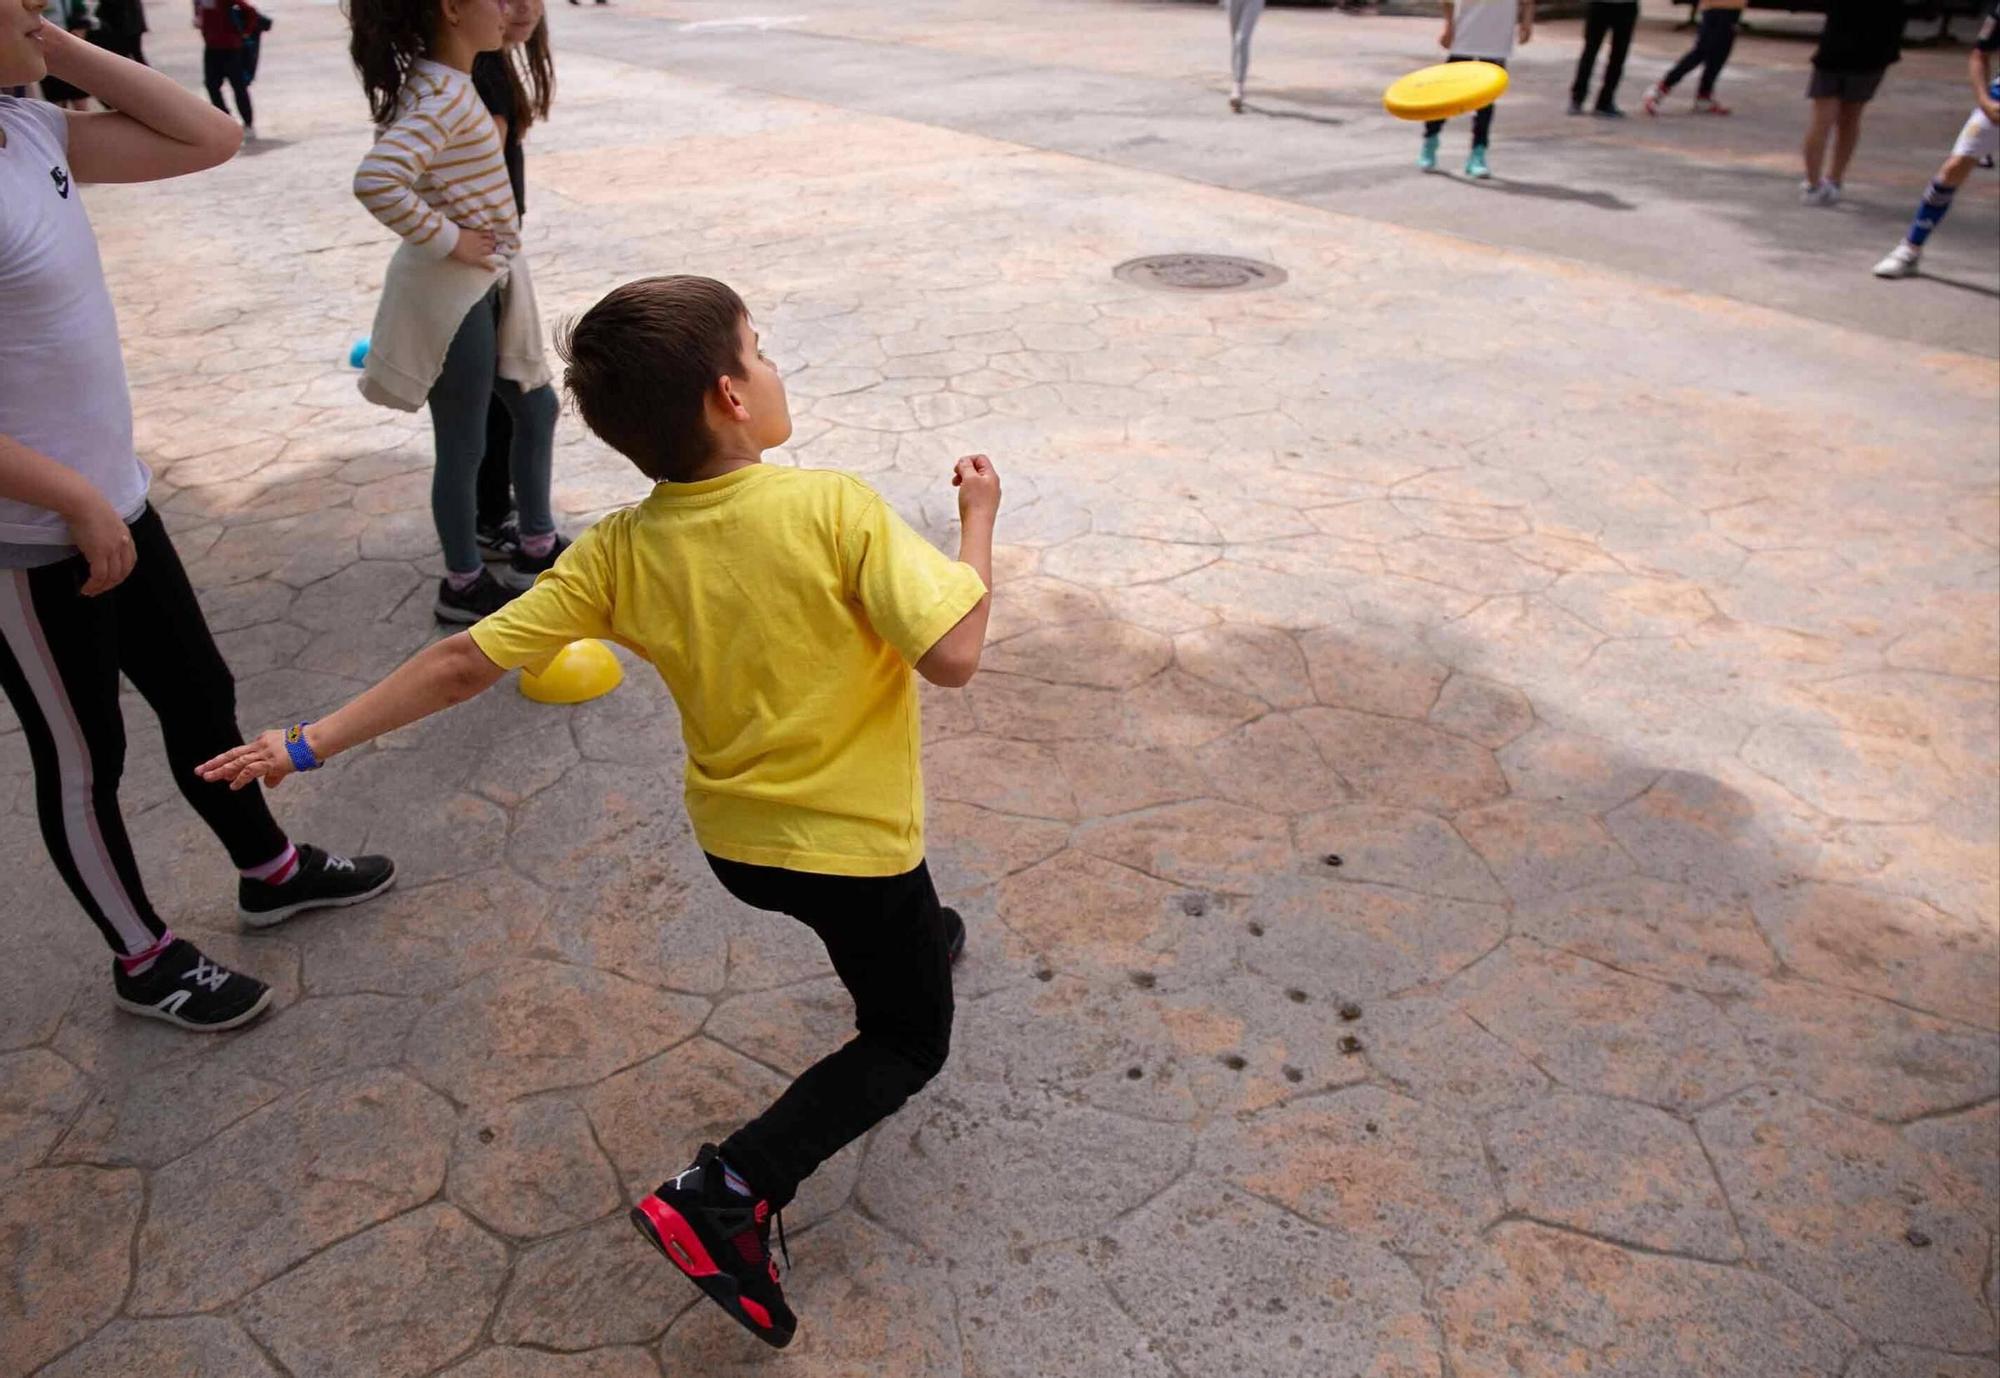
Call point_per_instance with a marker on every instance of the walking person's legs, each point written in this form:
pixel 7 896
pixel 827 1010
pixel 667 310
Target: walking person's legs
pixel 1846 136
pixel 1719 35
pixel 238 72
pixel 1596 21
pixel 1819 129
pixel 1243 17
pixel 1621 21
pixel 214 66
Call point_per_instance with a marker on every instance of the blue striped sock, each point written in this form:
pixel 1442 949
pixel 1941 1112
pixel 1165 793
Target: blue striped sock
pixel 1930 211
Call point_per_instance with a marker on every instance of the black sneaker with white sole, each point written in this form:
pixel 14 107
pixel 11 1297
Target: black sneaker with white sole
pixel 186 989
pixel 322 881
pixel 522 569
pixel 480 598
pixel 499 542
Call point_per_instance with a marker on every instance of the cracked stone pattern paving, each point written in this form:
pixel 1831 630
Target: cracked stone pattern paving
pixel 1478 849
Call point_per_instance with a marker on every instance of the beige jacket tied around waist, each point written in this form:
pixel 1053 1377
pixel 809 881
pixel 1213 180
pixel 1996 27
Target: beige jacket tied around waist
pixel 424 301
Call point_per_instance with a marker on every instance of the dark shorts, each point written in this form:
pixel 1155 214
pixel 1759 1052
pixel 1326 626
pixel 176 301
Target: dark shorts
pixel 1854 88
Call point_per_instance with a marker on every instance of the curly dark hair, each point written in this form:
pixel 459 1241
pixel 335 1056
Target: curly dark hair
pixel 388 38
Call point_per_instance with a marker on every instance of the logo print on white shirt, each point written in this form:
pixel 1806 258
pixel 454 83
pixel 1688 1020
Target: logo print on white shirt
pixel 61 179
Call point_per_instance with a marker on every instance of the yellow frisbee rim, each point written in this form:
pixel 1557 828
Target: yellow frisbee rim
pixel 1446 89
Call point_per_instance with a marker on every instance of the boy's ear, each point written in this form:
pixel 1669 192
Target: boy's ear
pixel 732 401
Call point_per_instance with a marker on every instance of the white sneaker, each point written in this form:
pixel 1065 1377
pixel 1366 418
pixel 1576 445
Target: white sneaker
pixel 1825 194
pixel 1901 262
pixel 249 133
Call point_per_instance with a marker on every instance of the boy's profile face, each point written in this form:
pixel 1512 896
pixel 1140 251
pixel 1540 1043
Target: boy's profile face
pixel 21 58
pixel 761 392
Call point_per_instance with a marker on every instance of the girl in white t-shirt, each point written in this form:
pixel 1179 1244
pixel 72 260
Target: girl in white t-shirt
pixel 1478 31
pixel 91 588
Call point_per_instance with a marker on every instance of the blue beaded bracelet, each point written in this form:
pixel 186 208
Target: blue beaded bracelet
pixel 300 750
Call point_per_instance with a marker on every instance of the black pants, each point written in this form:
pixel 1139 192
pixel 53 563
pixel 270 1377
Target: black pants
pixel 1616 20
pixel 60 657
pixel 1482 118
pixel 231 65
pixel 1712 44
pixel 496 469
pixel 887 939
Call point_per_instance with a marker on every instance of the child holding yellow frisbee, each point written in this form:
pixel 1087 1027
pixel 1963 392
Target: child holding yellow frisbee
pixel 1478 31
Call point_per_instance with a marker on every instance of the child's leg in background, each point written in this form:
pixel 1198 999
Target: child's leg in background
pixel 1482 119
pixel 888 944
pixel 238 71
pixel 1718 37
pixel 1691 59
pixel 1622 20
pixel 1243 17
pixel 1596 23
pixel 496 483
pixel 531 455
pixel 165 649
pixel 59 666
pixel 459 402
pixel 213 68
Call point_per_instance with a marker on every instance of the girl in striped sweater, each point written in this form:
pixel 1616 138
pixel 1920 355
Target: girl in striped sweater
pixel 457 325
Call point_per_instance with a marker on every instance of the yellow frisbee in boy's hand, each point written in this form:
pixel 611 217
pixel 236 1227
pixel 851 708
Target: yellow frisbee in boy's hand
pixel 1450 88
pixel 581 670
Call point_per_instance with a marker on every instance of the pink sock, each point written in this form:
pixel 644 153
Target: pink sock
pixel 143 961
pixel 278 869
pixel 535 547
pixel 461 582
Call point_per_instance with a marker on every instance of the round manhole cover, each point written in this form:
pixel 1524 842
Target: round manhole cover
pixel 1199 273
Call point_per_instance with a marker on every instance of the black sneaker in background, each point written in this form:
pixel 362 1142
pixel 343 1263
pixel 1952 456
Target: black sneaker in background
pixel 954 928
pixel 522 569
pixel 480 598
pixel 722 1241
pixel 322 881
pixel 186 989
pixel 499 541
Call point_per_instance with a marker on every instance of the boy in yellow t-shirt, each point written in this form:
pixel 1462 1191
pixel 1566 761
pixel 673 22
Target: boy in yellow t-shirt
pixel 784 608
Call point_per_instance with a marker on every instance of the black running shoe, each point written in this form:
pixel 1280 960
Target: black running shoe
pixel 481 598
pixel 722 1241
pixel 954 927
pixel 322 881
pixel 522 569
pixel 499 541
pixel 187 989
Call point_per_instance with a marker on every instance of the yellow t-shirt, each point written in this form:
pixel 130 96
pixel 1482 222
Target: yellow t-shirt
pixel 784 609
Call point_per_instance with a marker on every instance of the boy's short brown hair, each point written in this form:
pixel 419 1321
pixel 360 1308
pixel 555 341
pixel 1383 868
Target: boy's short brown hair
pixel 641 362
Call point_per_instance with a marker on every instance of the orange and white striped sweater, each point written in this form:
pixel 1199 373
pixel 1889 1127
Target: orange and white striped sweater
pixel 433 168
pixel 438 165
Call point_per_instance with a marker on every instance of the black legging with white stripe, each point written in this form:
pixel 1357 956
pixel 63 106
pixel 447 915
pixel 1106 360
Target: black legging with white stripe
pixel 60 657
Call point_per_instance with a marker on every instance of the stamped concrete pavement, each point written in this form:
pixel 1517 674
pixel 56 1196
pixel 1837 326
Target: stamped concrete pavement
pixel 1479 845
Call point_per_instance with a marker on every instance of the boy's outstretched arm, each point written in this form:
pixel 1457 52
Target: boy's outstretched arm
pixel 954 660
pixel 440 675
pixel 156 128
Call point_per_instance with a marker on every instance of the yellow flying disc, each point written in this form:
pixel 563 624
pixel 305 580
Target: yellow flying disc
pixel 1450 88
pixel 581 670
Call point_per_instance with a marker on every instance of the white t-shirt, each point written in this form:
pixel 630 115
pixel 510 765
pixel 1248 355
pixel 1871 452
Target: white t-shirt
pixel 1484 28
pixel 62 377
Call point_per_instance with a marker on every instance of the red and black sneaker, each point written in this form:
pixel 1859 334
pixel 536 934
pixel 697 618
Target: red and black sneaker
pixel 722 1240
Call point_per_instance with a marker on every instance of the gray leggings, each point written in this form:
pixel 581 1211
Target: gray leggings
pixel 1243 17
pixel 460 398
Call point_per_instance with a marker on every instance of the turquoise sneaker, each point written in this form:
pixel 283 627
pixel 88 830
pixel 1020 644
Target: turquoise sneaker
pixel 1475 166
pixel 1428 158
